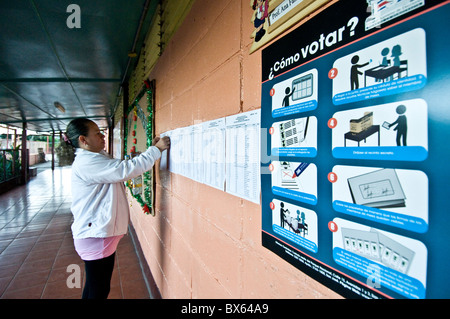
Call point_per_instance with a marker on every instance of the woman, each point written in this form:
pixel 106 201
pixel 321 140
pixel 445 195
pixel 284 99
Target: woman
pixel 99 203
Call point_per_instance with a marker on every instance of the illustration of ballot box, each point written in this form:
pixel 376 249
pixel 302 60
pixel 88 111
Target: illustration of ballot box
pixel 361 129
pixel 361 124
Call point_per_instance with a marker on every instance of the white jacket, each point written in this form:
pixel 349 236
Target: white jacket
pixel 99 203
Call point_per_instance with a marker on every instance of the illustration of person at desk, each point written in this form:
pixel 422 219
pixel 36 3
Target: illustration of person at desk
pixel 385 62
pixel 386 71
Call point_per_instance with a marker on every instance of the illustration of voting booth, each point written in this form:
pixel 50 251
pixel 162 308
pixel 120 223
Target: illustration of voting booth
pixel 361 129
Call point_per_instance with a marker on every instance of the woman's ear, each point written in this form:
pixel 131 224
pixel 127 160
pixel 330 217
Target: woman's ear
pixel 82 140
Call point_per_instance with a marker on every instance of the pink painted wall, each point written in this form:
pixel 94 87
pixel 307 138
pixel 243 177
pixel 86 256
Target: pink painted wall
pixel 203 242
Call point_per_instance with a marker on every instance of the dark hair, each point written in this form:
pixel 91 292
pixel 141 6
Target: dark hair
pixel 76 128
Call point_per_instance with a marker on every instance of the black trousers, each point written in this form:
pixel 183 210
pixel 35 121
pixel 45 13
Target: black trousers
pixel 98 277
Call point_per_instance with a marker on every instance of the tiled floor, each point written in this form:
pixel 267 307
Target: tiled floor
pixel 36 245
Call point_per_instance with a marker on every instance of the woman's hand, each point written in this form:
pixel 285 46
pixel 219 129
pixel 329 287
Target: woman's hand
pixel 161 143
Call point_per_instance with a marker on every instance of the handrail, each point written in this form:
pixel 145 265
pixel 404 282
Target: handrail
pixel 10 163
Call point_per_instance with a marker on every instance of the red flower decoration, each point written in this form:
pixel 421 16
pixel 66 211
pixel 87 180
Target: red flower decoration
pixel 133 133
pixel 134 141
pixel 146 209
pixel 133 149
pixel 134 117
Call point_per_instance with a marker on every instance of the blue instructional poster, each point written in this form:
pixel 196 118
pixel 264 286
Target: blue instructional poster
pixel 354 125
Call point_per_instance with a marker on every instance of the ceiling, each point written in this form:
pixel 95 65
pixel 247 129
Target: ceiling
pixel 43 61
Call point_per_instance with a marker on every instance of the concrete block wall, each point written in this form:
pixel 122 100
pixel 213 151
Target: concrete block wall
pixel 203 242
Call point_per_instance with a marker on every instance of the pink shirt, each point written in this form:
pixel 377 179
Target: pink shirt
pixel 96 248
